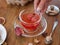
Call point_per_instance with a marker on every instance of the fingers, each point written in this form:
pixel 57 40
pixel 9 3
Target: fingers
pixel 46 6
pixel 41 6
pixel 36 4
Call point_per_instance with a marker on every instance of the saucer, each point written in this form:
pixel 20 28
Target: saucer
pixel 40 30
pixel 3 34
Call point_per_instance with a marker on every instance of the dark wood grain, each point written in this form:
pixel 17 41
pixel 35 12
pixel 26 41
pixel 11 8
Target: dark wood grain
pixel 11 12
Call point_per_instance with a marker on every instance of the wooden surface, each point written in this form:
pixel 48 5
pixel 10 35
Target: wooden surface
pixel 11 13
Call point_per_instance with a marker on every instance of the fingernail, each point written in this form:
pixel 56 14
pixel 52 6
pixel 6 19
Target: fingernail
pixel 38 9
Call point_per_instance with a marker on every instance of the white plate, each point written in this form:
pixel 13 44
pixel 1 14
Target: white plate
pixel 3 33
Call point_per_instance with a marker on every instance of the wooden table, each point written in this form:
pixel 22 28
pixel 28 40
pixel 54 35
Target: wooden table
pixel 11 13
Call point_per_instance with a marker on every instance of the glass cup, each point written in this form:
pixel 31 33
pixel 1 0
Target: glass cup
pixel 29 27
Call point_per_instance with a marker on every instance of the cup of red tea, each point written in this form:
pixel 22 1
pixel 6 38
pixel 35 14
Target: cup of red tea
pixel 30 20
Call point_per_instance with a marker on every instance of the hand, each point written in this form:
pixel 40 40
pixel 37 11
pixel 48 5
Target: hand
pixel 41 5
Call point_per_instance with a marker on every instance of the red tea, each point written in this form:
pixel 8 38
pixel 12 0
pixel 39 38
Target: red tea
pixel 30 21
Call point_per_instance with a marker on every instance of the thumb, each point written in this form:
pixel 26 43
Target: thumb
pixel 36 4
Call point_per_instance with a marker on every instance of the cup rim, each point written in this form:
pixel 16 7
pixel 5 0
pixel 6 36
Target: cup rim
pixel 20 18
